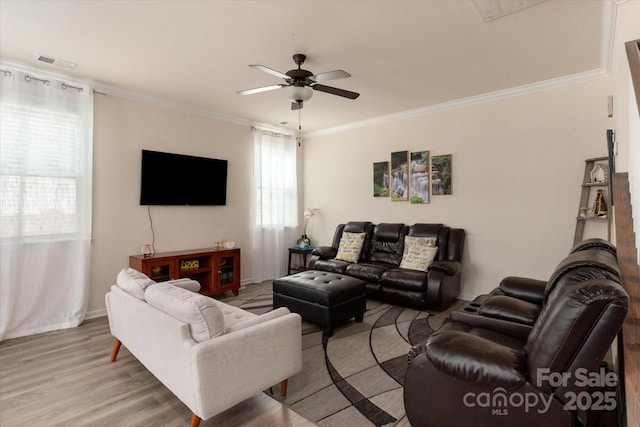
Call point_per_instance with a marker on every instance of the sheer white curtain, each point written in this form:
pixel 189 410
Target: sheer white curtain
pixel 275 203
pixel 46 137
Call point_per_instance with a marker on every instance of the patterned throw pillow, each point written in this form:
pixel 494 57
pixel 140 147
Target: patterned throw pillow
pixel 419 252
pixel 350 246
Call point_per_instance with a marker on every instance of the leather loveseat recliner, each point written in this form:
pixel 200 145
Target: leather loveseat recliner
pixel 472 372
pixel 380 258
pixel 517 302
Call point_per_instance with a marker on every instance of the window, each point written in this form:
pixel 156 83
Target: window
pixel 275 183
pixel 275 203
pixel 42 168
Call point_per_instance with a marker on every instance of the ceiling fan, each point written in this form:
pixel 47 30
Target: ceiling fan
pixel 299 83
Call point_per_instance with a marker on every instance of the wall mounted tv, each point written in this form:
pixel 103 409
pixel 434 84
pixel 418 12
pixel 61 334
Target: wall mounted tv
pixel 178 179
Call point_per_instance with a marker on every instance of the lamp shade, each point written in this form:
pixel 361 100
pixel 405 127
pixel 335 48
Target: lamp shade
pixel 299 93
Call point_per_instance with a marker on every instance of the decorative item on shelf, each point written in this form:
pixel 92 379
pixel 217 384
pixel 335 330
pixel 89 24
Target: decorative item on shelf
pixel 227 243
pixel 583 212
pixel 304 242
pixel 147 250
pixel 189 264
pixel 598 174
pixel 156 270
pixel 599 206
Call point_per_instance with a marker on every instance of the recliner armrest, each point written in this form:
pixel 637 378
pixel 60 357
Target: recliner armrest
pixel 523 288
pixel 519 331
pixel 325 252
pixel 450 268
pixel 476 360
pixel 510 309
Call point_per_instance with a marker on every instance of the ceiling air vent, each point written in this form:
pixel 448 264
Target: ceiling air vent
pixel 494 9
pixel 57 62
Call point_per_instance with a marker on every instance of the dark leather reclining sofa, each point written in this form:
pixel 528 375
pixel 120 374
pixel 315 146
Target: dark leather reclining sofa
pixel 522 354
pixel 380 258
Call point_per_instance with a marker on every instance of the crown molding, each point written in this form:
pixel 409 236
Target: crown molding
pixel 609 17
pixel 465 102
pixel 140 97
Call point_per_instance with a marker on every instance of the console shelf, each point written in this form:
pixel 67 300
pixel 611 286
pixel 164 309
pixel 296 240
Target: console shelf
pixel 217 270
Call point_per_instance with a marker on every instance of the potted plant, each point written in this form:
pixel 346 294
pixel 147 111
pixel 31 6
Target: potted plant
pixel 304 242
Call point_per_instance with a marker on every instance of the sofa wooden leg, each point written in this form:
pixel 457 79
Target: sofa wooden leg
pixel 195 420
pixel 116 349
pixel 283 388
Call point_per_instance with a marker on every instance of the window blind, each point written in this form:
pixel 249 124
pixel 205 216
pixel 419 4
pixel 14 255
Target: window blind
pixel 40 150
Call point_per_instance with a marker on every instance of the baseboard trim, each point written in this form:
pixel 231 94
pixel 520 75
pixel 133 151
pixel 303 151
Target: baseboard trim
pixel 467 297
pixel 96 313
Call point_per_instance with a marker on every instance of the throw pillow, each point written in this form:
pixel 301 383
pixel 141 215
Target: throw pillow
pixel 350 246
pixel 419 252
pixel 201 313
pixel 134 282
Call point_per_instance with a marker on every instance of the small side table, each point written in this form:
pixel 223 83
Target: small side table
pixel 303 253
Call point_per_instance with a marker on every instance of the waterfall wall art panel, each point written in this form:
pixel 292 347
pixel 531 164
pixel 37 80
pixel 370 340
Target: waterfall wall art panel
pixel 400 176
pixel 381 179
pixel 419 177
pixel 441 175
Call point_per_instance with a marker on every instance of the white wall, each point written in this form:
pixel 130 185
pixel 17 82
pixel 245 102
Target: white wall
pixel 517 168
pixel 627 29
pixel 120 225
pixel 625 109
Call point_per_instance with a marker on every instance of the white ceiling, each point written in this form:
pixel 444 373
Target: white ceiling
pixel 402 55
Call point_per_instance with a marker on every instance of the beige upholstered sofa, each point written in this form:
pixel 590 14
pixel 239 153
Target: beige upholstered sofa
pixel 209 354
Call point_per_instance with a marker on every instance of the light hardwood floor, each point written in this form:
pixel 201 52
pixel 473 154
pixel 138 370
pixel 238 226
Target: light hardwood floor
pixel 64 378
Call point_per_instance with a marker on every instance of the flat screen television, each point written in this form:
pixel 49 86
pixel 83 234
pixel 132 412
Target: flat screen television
pixel 178 179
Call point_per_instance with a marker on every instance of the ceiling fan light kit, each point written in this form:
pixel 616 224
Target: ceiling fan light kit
pixel 300 83
pixel 298 93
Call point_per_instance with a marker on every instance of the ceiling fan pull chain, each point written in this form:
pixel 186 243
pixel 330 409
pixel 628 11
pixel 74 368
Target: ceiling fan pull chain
pixel 299 128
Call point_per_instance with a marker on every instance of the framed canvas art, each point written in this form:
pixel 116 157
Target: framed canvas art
pixel 441 175
pixel 419 178
pixel 381 179
pixel 400 175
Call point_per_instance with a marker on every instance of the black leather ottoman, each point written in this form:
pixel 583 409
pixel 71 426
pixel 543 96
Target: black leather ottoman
pixel 327 299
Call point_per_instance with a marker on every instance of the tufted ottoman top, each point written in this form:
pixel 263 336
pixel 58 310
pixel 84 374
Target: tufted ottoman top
pixel 320 287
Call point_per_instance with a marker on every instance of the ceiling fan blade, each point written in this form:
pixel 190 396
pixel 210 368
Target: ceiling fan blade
pixel 336 91
pixel 259 89
pixel 296 105
pixel 330 75
pixel 270 71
